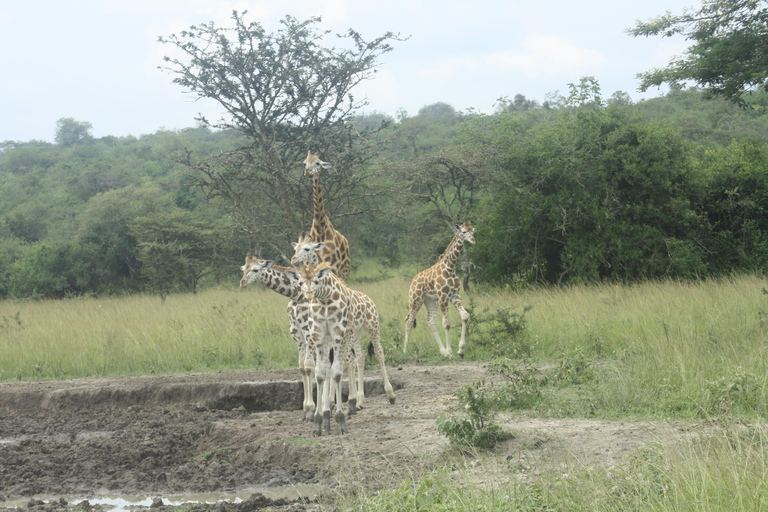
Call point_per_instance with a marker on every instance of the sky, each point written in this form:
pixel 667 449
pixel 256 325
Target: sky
pixel 99 61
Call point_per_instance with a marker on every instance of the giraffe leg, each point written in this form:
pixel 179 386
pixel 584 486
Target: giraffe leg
pixel 304 366
pixel 355 359
pixel 464 319
pixel 360 379
pixel 432 324
pixel 336 373
pixel 323 389
pixel 309 367
pixel 352 399
pixel 447 328
pixel 410 321
pixel 306 378
pixel 374 335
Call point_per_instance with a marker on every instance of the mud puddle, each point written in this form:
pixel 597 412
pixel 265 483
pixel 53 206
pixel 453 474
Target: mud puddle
pixel 127 503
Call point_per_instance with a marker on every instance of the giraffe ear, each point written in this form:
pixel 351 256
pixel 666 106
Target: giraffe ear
pixel 322 273
pixel 267 263
pixel 325 165
pixel 318 246
pixel 456 227
pixel 292 275
pixel 294 244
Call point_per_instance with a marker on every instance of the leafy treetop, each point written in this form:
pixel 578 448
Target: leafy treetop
pixel 729 54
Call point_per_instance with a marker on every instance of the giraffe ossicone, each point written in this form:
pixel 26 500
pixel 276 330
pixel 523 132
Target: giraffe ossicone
pixel 438 286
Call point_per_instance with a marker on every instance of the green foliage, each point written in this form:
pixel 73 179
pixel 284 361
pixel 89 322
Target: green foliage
pixel 740 391
pixel 502 331
pixel 285 92
pixel 594 194
pixel 521 387
pixel 70 131
pixel 574 369
pixel 727 54
pixel 563 191
pixel 736 206
pixel 474 426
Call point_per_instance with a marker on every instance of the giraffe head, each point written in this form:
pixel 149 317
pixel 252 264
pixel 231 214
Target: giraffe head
pixel 313 164
pixel 251 269
pixel 305 251
pixel 465 232
pixel 315 281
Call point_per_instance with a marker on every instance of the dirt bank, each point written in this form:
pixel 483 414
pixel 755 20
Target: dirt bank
pixel 240 433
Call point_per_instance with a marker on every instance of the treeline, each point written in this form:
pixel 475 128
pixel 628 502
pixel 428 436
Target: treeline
pixel 574 188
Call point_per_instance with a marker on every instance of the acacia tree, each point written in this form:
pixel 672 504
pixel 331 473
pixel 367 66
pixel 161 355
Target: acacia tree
pixel 729 54
pixel 287 93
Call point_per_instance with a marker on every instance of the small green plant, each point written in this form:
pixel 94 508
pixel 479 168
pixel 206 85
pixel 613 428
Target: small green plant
pixel 474 426
pixel 574 369
pixel 503 331
pixel 521 388
pixel 11 321
pixel 392 340
pixel 739 390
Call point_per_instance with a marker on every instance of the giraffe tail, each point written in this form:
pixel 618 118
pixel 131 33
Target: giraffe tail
pixel 371 349
pixel 330 356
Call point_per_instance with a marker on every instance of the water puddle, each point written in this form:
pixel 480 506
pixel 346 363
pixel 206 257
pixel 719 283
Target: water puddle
pixel 118 503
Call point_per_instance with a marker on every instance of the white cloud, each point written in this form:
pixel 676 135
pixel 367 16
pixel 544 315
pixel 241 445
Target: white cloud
pixel 541 55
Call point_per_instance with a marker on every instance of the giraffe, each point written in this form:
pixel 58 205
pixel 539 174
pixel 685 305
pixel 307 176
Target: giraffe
pixel 337 316
pixel 276 279
pixel 336 250
pixel 437 286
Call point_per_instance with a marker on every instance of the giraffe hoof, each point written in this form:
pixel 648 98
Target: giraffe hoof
pixel 326 421
pixel 461 356
pixel 341 422
pixel 392 401
pixel 351 407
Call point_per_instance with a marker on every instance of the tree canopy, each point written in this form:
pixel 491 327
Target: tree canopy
pixel 287 92
pixel 729 52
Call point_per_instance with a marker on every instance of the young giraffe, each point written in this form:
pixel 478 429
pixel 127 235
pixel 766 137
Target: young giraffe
pixel 337 316
pixel 306 251
pixel 336 250
pixel 275 278
pixel 438 286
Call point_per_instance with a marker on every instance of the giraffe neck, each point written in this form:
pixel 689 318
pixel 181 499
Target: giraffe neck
pixel 275 279
pixel 321 224
pixel 452 252
pixel 331 284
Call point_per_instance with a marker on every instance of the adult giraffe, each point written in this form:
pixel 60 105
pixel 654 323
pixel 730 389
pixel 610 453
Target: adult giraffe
pixel 336 249
pixel 439 286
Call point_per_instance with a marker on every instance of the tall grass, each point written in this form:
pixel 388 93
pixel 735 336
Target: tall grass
pixel 726 471
pixel 681 344
pixel 222 328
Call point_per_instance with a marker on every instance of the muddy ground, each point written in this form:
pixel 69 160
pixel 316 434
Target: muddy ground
pixel 239 434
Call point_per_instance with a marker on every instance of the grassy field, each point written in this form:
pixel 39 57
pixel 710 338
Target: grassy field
pixel 651 351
